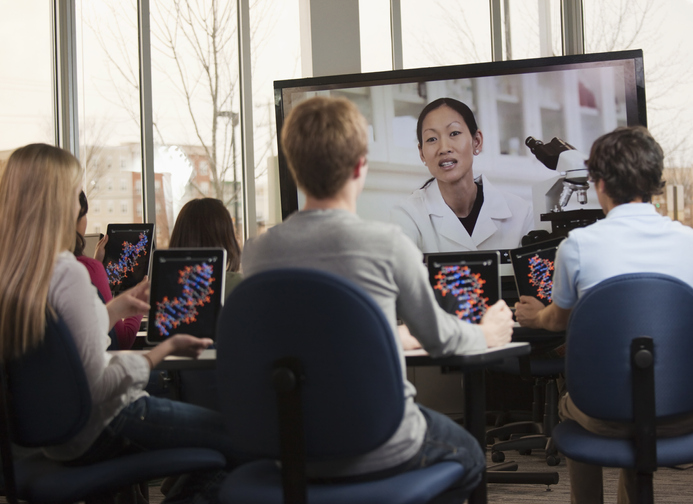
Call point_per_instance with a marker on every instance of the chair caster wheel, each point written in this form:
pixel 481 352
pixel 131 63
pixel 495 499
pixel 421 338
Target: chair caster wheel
pixel 497 457
pixel 525 451
pixel 553 460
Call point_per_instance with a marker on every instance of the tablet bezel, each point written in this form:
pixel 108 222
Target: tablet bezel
pixel 134 227
pixel 533 248
pixel 153 337
pixel 465 257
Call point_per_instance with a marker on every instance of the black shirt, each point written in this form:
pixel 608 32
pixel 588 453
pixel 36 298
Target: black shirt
pixel 470 220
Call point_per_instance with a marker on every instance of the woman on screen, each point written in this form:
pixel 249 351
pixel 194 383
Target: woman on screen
pixel 453 211
pixel 42 278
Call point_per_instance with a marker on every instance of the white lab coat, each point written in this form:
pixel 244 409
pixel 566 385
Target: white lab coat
pixel 425 217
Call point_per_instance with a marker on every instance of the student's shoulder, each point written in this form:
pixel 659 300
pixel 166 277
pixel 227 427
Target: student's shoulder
pixel 67 271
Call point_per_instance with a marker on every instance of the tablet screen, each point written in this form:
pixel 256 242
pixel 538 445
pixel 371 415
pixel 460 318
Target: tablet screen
pixel 186 292
pixel 533 269
pixel 465 283
pixel 127 254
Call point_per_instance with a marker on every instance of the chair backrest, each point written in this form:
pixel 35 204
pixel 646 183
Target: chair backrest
pixel 600 330
pixel 352 395
pixel 47 390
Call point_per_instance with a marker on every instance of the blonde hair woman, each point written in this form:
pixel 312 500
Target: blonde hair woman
pixel 42 278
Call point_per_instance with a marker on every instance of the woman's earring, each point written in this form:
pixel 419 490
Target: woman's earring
pixel 476 152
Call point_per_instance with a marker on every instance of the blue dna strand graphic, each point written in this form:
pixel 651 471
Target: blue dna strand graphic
pixel 466 287
pixel 197 288
pixel 540 276
pixel 128 260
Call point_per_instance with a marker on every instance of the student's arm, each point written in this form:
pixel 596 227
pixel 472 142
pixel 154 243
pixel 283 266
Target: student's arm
pixel 530 312
pixel 438 332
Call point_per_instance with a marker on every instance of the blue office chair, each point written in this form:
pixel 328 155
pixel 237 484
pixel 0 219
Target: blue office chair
pixel 308 371
pixel 628 359
pixel 534 434
pixel 44 401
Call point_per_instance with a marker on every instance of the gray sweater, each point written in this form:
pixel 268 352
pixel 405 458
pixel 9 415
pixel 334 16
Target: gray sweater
pixel 383 261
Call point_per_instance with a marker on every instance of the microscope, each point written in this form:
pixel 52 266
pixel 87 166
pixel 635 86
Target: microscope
pixel 555 193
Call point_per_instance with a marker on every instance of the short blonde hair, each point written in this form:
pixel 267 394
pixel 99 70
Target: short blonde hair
pixel 323 139
pixel 38 212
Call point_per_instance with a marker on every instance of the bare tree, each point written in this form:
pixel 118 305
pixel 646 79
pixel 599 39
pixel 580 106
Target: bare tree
pixel 195 46
pixel 93 135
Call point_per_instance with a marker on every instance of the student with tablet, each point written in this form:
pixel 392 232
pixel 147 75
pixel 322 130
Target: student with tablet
pixel 42 278
pixel 325 141
pixel 626 166
pixel 125 331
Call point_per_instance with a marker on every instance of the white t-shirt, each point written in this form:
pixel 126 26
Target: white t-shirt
pixel 114 382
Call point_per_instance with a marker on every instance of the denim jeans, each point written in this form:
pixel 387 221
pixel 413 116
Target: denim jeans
pixel 446 440
pixel 152 423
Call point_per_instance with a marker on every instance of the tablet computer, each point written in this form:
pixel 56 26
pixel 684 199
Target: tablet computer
pixel 127 254
pixel 533 268
pixel 186 295
pixel 465 283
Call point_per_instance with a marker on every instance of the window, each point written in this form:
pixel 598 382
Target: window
pixel 124 207
pixel 26 87
pixel 108 104
pixel 95 206
pixel 662 31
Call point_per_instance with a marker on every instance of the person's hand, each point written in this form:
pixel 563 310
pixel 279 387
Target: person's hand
pixel 526 311
pixel 409 342
pixel 100 250
pixel 185 345
pixel 181 345
pixel 132 302
pixel 497 324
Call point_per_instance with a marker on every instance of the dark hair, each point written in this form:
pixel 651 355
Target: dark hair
pixel 457 106
pixel 206 222
pixel 80 243
pixel 630 162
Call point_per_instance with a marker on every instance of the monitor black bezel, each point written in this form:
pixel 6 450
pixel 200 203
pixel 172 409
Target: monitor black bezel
pixel 287 187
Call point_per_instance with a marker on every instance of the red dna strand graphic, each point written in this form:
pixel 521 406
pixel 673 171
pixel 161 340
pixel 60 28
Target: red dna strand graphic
pixel 466 287
pixel 128 260
pixel 540 276
pixel 196 281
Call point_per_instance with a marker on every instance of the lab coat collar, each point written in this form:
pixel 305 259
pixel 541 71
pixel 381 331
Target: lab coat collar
pixel 449 226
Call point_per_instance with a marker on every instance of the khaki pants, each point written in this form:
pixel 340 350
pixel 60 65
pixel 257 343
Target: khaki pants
pixel 586 486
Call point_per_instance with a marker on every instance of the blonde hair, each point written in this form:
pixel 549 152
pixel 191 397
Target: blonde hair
pixel 38 211
pixel 323 139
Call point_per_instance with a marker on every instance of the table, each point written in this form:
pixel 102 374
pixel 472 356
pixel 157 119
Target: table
pixel 472 366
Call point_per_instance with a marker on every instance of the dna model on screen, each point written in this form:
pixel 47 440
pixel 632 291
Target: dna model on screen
pixel 129 259
pixel 540 274
pixel 197 288
pixel 466 287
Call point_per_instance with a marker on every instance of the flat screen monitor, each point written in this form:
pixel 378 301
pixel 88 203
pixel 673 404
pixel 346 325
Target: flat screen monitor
pixel 573 98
